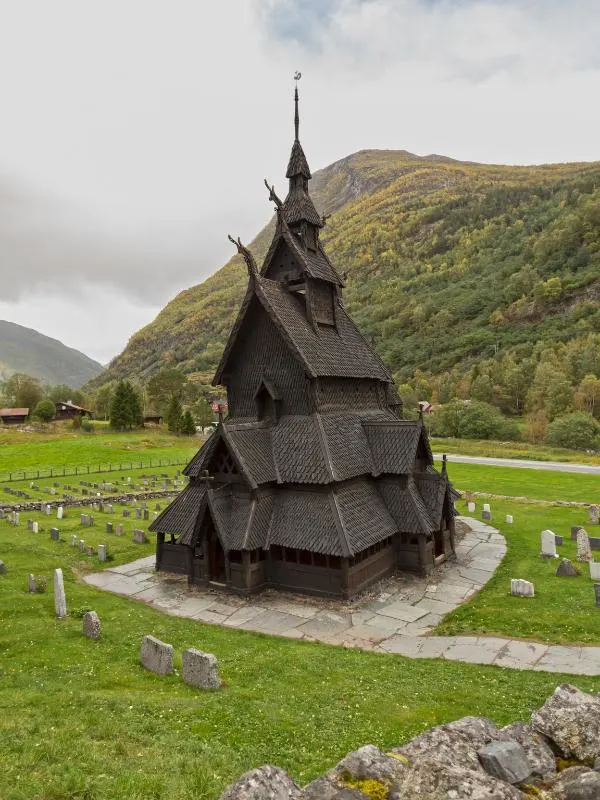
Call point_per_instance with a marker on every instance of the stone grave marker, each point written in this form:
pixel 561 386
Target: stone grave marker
pixel 584 551
pixel 35 527
pixel 509 519
pixel 486 515
pixel 594 542
pixel 594 514
pixel 60 600
pixel 200 669
pixel 74 540
pixel 90 550
pixel 109 527
pixel 138 513
pixel 156 656
pixel 471 507
pixel 82 545
pixel 31 585
pixel 146 514
pixel 16 518
pixel 102 553
pixel 109 509
pixel 120 529
pixel 29 524
pixel 574 531
pixel 91 625
pixel 2 568
pixel 596 589
pixel 84 519
pixel 90 521
pixel 521 588
pixel 139 537
pixel 54 534
pixel 566 568
pixel 154 515
pixel 486 507
pixel 48 510
pixel 60 512
pixel 548 544
pixel 126 513
pixel 595 570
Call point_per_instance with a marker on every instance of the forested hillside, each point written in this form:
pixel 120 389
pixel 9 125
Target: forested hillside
pixel 470 279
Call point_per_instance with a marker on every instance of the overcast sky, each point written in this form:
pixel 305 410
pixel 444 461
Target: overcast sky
pixel 135 134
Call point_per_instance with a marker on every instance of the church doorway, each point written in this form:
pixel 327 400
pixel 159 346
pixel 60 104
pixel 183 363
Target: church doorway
pixel 438 544
pixel 216 558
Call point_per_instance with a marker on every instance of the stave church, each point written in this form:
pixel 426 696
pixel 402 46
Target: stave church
pixel 313 483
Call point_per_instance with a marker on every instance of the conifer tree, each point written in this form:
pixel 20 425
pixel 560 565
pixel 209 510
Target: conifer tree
pixel 188 426
pixel 175 416
pixel 125 408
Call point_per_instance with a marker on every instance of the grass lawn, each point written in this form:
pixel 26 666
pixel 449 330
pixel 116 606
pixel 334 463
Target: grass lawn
pixel 82 720
pixel 531 483
pixel 66 447
pixel 492 449
pixel 563 609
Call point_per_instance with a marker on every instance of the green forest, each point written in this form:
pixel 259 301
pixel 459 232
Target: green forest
pixel 473 282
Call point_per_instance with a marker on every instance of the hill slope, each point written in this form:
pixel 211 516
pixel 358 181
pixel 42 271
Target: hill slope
pixel 447 263
pixel 25 350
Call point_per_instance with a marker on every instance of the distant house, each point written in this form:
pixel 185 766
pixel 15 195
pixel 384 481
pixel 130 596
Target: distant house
pixel 13 416
pixel 68 410
pixel 152 419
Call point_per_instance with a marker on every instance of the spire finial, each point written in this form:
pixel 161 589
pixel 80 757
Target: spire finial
pixel 297 76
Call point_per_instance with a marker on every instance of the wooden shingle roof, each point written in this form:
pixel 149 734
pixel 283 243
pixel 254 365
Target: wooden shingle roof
pixel 297 165
pixel 180 516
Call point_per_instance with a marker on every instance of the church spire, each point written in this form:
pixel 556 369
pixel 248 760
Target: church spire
pixel 296 114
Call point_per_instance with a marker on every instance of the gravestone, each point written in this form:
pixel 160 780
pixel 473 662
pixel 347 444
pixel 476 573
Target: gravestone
pixel 548 544
pixel 120 529
pixel 54 534
pixel 521 588
pixel 29 524
pixel 90 521
pixel 139 536
pixel 574 531
pixel 200 669
pixel 594 542
pixel 596 589
pixel 486 507
pixel 74 540
pixel 486 515
pixel 594 512
pixel 157 507
pixel 559 540
pixel 584 551
pixel 154 516
pixel 31 586
pixel 109 527
pixel 471 507
pixel 126 513
pixel 109 509
pixel 102 552
pixel 595 570
pixel 16 518
pixel 90 550
pixel 566 568
pixel 509 519
pixel 48 510
pixel 138 513
pixel 60 601
pixel 156 656
pixel 35 527
pixel 60 512
pixel 146 514
pixel 2 568
pixel 82 545
pixel 84 519
pixel 91 625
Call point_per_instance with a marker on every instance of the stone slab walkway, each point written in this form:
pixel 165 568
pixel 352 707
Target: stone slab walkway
pixel 397 619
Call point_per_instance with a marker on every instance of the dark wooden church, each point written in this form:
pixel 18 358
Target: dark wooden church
pixel 312 483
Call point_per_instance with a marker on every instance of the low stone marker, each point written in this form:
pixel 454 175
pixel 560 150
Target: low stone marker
pixel 60 512
pixel 55 534
pixel 594 513
pixel 31 586
pixel 595 570
pixel 82 545
pixel 74 540
pixel 521 588
pixel 2 568
pixel 48 510
pixel 102 552
pixel 486 515
pixel 566 568
pixel 126 513
pixel 486 507
pixel 156 656
pixel 506 761
pixel 471 507
pixel 548 544
pixel 594 542
pixel 508 519
pixel 35 527
pixel 29 524
pixel 60 600
pixel 559 540
pixel 200 669
pixel 584 551
pixel 596 589
pixel 139 537
pixel 91 625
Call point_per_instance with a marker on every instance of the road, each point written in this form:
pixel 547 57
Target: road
pixel 554 466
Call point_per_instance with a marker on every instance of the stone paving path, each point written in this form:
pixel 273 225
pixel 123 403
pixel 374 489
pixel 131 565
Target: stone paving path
pixel 396 620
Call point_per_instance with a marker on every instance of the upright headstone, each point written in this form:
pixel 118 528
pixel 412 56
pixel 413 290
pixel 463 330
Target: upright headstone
pixel 48 510
pixel 548 544
pixel 109 527
pixel 200 669
pixel 120 529
pixel 29 524
pixel 60 512
pixel 35 527
pixel 146 514
pixel 82 545
pixel 16 518
pixel 566 568
pixel 90 521
pixel 595 570
pixel 102 552
pixel 31 585
pixel 486 507
pixel 60 601
pixel 156 656
pixel 486 515
pixel 139 536
pixel 597 590
pixel 584 551
pixel 84 519
pixel 74 540
pixel 594 512
pixel 574 531
pixel 521 588
pixel 2 568
pixel 471 507
pixel 54 534
pixel 509 519
pixel 91 625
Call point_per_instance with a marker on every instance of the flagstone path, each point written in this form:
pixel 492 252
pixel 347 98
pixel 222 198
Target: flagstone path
pixel 396 620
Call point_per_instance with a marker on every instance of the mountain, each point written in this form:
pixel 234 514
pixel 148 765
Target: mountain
pixel 25 350
pixel 447 262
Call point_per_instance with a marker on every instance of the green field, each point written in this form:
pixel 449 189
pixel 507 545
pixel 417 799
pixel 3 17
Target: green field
pixel 530 483
pixel 523 450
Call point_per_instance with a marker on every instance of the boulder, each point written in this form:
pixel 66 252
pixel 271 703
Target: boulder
pixel 323 789
pixel 539 755
pixel 571 720
pixel 576 783
pixel 370 763
pixel 426 779
pixel 478 730
pixel 505 760
pixel 454 743
pixel 262 783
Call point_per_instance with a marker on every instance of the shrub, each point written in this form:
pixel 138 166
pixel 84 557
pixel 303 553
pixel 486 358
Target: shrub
pixel 579 431
pixel 86 425
pixel 44 410
pixel 473 420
